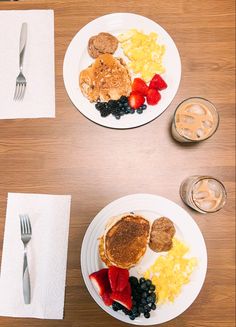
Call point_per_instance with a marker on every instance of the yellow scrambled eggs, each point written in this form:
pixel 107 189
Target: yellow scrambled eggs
pixel 170 272
pixel 144 53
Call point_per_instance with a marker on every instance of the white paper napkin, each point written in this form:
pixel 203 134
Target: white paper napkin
pixel 47 256
pixel 38 68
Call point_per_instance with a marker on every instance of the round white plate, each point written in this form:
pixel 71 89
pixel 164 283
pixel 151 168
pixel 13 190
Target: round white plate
pixel 152 207
pixel 77 58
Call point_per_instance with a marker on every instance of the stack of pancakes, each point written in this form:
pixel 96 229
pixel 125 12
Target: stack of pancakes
pixel 127 236
pixel 124 241
pixel 107 78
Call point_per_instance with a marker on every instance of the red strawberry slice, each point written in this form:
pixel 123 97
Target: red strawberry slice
pixel 158 83
pixel 113 273
pixel 136 100
pixel 118 278
pixel 123 279
pixel 153 97
pixel 107 298
pixel 123 297
pixel 139 86
pixel 100 281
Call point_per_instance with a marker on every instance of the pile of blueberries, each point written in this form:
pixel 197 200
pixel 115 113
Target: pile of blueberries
pixel 143 298
pixel 118 108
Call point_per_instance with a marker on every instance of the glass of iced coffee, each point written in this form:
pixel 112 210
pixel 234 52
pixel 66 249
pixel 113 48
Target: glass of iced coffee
pixel 203 193
pixel 195 119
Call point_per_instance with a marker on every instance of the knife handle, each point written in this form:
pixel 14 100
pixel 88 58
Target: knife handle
pixel 26 280
pixel 23 39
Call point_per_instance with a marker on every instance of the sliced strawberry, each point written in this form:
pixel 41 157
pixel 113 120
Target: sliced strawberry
pixel 123 297
pixel 118 278
pixel 107 298
pixel 100 281
pixel 113 273
pixel 123 279
pixel 139 86
pixel 158 83
pixel 136 100
pixel 153 97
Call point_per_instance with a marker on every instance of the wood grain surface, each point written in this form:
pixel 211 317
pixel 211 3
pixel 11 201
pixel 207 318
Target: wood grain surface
pixel 72 155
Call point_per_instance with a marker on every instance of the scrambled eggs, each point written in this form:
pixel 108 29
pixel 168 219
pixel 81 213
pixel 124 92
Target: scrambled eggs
pixel 169 273
pixel 144 53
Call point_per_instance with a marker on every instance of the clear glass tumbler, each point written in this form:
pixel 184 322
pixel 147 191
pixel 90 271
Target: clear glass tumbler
pixel 195 119
pixel 205 194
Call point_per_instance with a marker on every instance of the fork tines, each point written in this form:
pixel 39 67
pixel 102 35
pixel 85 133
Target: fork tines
pixel 20 87
pixel 25 224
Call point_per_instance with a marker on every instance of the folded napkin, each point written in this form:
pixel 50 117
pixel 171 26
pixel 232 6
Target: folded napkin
pixel 47 256
pixel 38 67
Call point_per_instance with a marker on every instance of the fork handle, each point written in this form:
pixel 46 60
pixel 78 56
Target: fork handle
pixel 26 280
pixel 23 39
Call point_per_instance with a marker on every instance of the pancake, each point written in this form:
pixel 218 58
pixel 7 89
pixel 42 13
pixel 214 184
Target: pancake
pixel 102 252
pixel 106 79
pixel 125 240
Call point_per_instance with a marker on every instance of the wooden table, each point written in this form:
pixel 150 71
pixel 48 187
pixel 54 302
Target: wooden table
pixel 72 155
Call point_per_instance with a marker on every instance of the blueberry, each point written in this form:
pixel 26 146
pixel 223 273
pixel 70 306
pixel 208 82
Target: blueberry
pixel 132 111
pixel 153 297
pixel 152 288
pixel 117 117
pixel 123 99
pixel 132 317
pixel 143 301
pixel 133 281
pixel 137 314
pixel 134 310
pixel 153 306
pixel 134 302
pixel 144 106
pixel 112 103
pixel 143 286
pixel 142 280
pixel 135 294
pixel 144 295
pixel 126 311
pixel 148 282
pixel 139 111
pixel 141 309
pixel 100 105
pixel 147 315
pixel 116 306
pixel 149 299
pixel 105 112
pixel 146 308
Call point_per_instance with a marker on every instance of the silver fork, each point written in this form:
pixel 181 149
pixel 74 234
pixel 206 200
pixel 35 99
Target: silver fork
pixel 21 80
pixel 26 233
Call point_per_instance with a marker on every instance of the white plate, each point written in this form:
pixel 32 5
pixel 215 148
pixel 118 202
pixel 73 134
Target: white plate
pixel 77 59
pixel 152 207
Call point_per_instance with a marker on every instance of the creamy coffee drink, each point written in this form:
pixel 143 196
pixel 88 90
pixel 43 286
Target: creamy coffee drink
pixel 203 193
pixel 195 120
